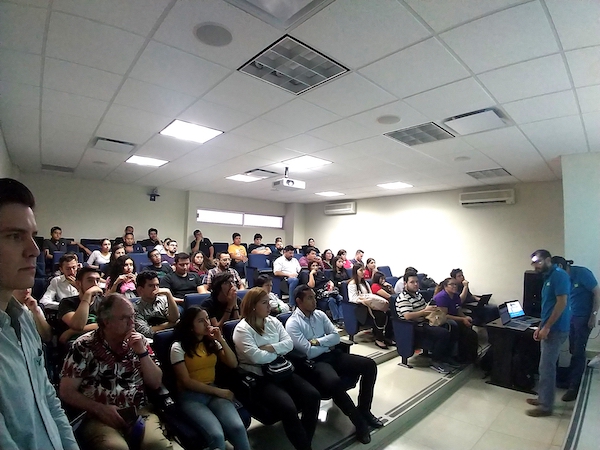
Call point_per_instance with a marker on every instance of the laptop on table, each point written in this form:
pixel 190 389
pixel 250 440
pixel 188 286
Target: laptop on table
pixel 513 316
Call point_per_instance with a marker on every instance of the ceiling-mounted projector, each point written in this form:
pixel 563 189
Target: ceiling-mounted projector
pixel 287 184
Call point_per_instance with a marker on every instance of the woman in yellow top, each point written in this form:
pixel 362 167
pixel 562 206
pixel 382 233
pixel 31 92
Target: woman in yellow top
pixel 194 356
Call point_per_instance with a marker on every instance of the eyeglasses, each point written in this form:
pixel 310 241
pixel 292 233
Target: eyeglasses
pixel 127 317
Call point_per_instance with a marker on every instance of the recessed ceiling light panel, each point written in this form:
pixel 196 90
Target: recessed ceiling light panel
pixel 190 131
pixel 145 161
pixel 244 178
pixel 476 122
pixel 305 162
pixel 396 185
pixel 329 194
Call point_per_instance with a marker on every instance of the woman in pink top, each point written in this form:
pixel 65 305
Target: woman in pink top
pixel 342 254
pixel 122 277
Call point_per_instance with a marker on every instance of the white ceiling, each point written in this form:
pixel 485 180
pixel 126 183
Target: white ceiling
pixel 125 69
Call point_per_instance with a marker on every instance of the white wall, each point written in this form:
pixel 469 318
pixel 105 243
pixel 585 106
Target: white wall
pixel 433 233
pixel 7 169
pixel 97 209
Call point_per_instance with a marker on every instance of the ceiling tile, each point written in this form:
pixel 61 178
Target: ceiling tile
pixel 274 153
pixel 22 28
pixel 589 98
pixel 451 100
pixel 93 156
pixel 576 22
pixel 408 117
pixel 446 146
pixel 544 107
pixel 60 123
pixel 334 95
pixel 527 79
pixel 592 128
pixel 130 117
pixel 265 131
pixel 128 172
pixel 250 35
pixel 237 141
pixel 152 98
pixel 416 69
pixel 305 144
pixel 95 45
pixel 497 40
pixel 63 150
pixel 136 16
pixel 356 32
pixel 214 116
pixel 20 67
pixel 62 102
pixel 476 161
pixel 556 137
pixel 16 94
pixel 166 147
pixel 585 66
pixel 177 70
pixel 300 116
pixel 342 132
pixel 123 132
pixel 81 80
pixel 21 118
pixel 444 14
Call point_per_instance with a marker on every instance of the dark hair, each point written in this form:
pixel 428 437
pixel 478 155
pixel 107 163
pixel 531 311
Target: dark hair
pixel 67 257
pixel 150 230
pixel 301 290
pixel 377 276
pixel 408 274
pixel 310 239
pixel 410 269
pixel 341 252
pixel 128 234
pixel 104 308
pixel 541 253
pixel 440 287
pixel 287 248
pixel 105 239
pixel 278 238
pixel 561 262
pixel 258 236
pixel 116 269
pixel 84 271
pixel 334 265
pixel 223 253
pixel 234 235
pixel 262 280
pixel 355 269
pixel 180 256
pixel 112 259
pixel 196 232
pixel 455 272
pixel 146 275
pixel 359 251
pixel 325 252
pixel 193 257
pixel 151 251
pixel 184 333
pixel 53 229
pixel 369 260
pixel 217 283
pixel 13 191
pixel 309 250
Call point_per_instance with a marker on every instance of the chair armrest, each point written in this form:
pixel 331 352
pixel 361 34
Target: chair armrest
pixel 161 398
pixel 344 346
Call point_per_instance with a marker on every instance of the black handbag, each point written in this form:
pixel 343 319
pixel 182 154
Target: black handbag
pixel 279 369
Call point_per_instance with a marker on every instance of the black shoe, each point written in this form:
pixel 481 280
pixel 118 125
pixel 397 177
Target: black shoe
pixel 389 342
pixel 371 420
pixel 383 347
pixel 362 429
pixel 570 395
pixel 453 363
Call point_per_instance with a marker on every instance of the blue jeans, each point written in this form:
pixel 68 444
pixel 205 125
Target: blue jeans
pixel 216 418
pixel 578 337
pixel 335 306
pixel 550 349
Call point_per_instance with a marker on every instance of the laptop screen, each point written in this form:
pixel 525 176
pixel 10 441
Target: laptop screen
pixel 514 309
pixel 504 315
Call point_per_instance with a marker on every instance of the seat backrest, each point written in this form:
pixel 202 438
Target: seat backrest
pixel 329 274
pixel 228 328
pixel 258 261
pixel 283 317
pixel 162 348
pixel 138 259
pixel 220 247
pixel 292 284
pixel 349 272
pixel 392 280
pixel 344 291
pixel 385 270
pixel 194 299
pixel 87 242
pixel 241 293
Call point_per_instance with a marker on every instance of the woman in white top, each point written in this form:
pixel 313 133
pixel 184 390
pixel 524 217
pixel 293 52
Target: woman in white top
pixel 259 339
pixel 102 256
pixel 382 326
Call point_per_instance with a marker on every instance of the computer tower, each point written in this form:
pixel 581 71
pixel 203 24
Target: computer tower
pixel 532 293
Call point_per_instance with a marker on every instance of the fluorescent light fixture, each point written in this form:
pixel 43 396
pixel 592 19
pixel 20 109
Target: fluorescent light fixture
pixel 329 194
pixel 304 163
pixel 396 185
pixel 190 131
pixel 145 161
pixel 244 178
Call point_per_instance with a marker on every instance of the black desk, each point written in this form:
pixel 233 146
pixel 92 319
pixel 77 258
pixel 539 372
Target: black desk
pixel 505 343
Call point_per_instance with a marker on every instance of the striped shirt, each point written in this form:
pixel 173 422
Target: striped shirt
pixel 406 303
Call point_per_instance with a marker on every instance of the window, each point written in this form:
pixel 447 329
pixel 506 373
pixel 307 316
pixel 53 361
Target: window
pixel 235 218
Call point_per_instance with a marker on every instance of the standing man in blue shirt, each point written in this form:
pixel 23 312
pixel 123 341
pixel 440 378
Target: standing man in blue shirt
pixel 30 413
pixel 553 329
pixel 585 301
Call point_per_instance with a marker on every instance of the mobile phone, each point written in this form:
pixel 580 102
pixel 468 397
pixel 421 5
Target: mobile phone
pixel 129 415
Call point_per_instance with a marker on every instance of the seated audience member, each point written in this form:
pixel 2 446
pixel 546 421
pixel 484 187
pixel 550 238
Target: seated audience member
pixel 194 357
pixel 238 254
pixel 223 267
pixel 224 303
pixel 156 309
pixel 315 337
pixel 381 287
pixel 63 285
pixel 198 265
pixel 170 251
pixel 309 257
pixel 257 247
pixel 483 315
pixel 121 277
pixel 182 281
pixel 30 304
pixel 202 244
pixel 447 299
pixel 117 408
pixel 121 239
pixel 339 273
pixel 161 268
pixel 410 305
pixel 259 339
pixel 130 245
pixel 327 258
pixel 77 314
pixel 102 256
pixel 359 289
pixel 117 250
pixel 286 266
pixel 324 290
pixel 278 252
pixel 342 254
pixel 57 243
pixel 399 287
pixel 152 240
pixel 278 306
pixel 311 243
pixel 370 268
pixel 358 256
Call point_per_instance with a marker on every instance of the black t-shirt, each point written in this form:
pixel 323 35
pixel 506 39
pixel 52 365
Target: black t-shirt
pixel 165 269
pixel 204 246
pixel 339 277
pixel 320 278
pixel 179 286
pixel 215 308
pixel 55 246
pixel 70 304
pixel 149 243
pixel 254 247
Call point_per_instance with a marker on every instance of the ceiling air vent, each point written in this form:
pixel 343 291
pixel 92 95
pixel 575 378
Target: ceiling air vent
pixel 291 65
pixel 61 169
pixel 112 145
pixel 420 134
pixel 490 173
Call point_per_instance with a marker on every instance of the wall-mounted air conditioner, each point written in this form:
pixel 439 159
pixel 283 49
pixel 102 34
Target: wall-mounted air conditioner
pixel 341 208
pixel 482 198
